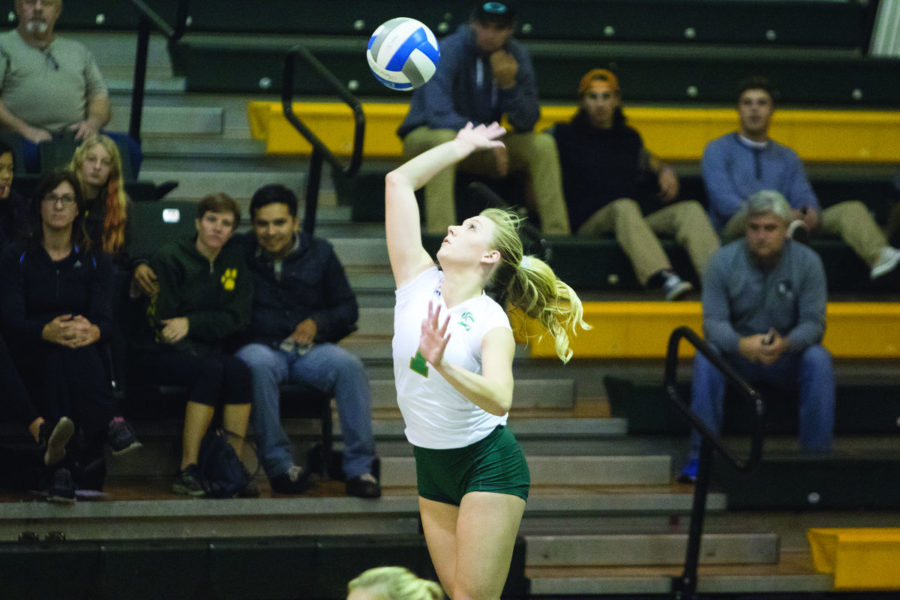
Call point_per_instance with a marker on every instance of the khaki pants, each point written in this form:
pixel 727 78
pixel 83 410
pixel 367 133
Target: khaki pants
pixel 532 153
pixel 850 220
pixel 635 233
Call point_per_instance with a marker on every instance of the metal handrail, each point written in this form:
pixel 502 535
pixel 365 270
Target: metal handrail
pixel 149 20
pixel 685 586
pixel 320 151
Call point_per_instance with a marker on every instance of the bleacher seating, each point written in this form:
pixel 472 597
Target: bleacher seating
pixel 811 23
pixel 671 54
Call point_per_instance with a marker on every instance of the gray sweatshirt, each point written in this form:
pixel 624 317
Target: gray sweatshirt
pixel 740 298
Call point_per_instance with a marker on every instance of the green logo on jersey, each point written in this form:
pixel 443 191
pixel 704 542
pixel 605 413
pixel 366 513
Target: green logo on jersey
pixel 419 364
pixel 466 320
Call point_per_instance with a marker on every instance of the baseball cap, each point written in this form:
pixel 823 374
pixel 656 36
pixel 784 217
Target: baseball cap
pixel 597 75
pixel 497 11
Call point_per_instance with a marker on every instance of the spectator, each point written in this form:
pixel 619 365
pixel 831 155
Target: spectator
pixel 56 311
pixel 454 374
pixel 51 438
pixel 738 164
pixel 302 306
pixel 13 207
pixel 484 75
pixel 50 86
pixel 764 302
pixel 603 163
pixel 204 297
pixel 392 583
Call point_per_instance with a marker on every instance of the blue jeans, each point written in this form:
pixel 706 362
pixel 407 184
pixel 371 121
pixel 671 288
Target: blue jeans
pixel 328 368
pixel 808 371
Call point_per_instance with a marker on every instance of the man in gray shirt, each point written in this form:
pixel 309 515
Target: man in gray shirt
pixel 764 300
pixel 50 86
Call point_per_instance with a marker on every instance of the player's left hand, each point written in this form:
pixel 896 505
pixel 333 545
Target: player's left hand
pixel 434 338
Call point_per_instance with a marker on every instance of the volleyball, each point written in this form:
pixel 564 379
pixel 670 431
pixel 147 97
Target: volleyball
pixel 403 53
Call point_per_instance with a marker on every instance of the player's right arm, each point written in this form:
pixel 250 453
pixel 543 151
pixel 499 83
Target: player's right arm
pixel 401 212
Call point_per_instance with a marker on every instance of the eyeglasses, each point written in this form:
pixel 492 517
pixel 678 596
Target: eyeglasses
pixel 66 199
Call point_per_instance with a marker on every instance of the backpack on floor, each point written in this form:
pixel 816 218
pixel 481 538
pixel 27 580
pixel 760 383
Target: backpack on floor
pixel 221 471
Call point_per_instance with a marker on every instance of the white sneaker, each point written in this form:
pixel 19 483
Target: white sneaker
pixel 887 261
pixel 675 287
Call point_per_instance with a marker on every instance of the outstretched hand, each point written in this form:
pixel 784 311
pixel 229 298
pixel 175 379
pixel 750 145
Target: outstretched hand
pixel 479 137
pixel 434 337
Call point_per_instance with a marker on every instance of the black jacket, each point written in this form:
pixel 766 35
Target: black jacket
pixel 312 285
pixel 36 290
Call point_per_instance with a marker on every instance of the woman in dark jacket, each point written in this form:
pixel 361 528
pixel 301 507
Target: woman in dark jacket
pixel 204 297
pixel 55 307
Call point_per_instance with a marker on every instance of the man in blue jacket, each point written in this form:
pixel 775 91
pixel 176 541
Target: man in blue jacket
pixel 764 300
pixel 302 306
pixel 483 76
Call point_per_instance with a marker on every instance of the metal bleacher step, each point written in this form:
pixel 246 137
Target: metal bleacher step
pixel 645 550
pixel 534 393
pixel 794 574
pixel 151 512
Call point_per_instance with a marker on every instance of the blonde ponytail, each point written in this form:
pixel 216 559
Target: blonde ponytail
pixel 530 285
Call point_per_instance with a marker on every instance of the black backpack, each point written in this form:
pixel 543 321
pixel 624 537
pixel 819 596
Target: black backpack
pixel 221 471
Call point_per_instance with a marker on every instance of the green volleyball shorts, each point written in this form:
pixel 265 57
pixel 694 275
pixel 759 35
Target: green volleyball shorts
pixel 494 464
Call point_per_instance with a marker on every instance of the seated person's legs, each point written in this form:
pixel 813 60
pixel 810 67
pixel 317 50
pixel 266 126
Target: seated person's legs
pixel 269 369
pixel 688 222
pixel 535 154
pixel 440 203
pixel 817 391
pixel 851 220
pixel 328 367
pixel 651 265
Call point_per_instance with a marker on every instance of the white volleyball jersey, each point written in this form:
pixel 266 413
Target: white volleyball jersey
pixel 436 415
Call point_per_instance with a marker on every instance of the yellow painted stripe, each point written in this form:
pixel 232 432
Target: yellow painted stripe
pixel 642 329
pixel 673 133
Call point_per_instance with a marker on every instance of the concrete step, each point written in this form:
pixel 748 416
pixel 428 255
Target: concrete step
pixel 644 549
pixel 174 121
pixel 194 184
pixel 395 512
pixel 534 393
pixel 794 574
pixel 561 470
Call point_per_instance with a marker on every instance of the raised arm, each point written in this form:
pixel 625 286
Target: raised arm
pixel 401 212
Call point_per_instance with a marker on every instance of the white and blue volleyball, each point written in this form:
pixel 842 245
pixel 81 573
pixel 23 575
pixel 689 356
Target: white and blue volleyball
pixel 403 53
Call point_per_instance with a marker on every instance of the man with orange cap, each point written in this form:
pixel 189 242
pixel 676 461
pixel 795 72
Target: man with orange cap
pixel 606 169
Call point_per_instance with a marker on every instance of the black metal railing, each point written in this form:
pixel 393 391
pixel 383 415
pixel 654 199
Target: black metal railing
pixel 148 21
pixel 685 586
pixel 320 152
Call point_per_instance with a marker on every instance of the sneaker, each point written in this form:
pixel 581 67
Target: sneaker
pixel 887 261
pixel 689 472
pixel 120 437
pixel 675 288
pixel 798 231
pixel 62 487
pixel 295 480
pixel 187 482
pixel 54 441
pixel 364 486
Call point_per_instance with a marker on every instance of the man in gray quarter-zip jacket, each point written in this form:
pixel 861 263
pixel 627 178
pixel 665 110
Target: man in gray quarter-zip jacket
pixel 764 300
